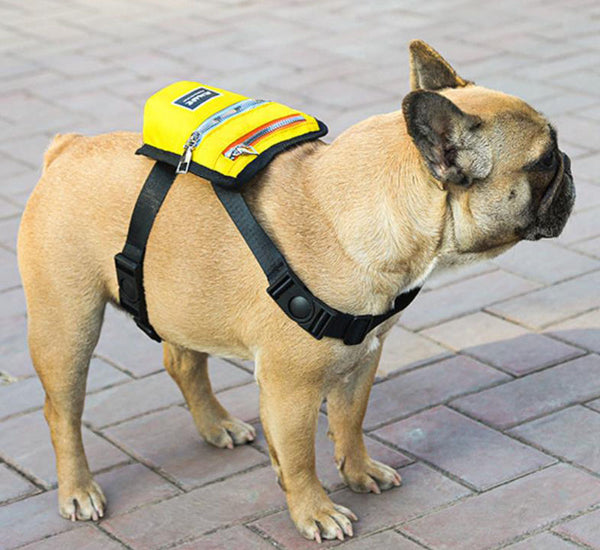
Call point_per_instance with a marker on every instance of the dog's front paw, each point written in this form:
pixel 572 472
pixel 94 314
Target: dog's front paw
pixel 319 518
pixel 228 432
pixel 82 503
pixel 369 477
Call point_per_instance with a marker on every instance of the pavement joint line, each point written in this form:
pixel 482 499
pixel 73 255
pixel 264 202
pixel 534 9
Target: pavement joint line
pixel 171 479
pixel 582 252
pixel 547 527
pixel 588 406
pixel 419 460
pixel 119 367
pixel 560 339
pixel 137 416
pixel 140 460
pixel 457 479
pixel 467 277
pixel 412 367
pixel 19 473
pixel 522 536
pixel 435 323
pixel 573 541
pixel 31 477
pixel 9 288
pixel 240 521
pixel 259 532
pixel 546 366
pixel 547 284
pixel 124 369
pixel 413 539
pixel 446 402
pixel 542 327
pixel 559 458
pixel 505 429
pixel 98 527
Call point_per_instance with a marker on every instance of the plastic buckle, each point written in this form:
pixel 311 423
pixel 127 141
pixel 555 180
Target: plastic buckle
pixel 299 304
pixel 357 330
pixel 129 277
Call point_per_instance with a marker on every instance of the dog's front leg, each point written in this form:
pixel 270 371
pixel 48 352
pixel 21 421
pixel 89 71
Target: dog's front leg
pixel 289 405
pixel 346 407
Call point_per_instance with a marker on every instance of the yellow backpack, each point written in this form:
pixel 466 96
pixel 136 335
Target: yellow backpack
pixel 219 135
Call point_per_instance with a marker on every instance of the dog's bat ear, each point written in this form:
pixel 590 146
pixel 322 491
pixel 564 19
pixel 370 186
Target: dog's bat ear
pixel 449 140
pixel 430 71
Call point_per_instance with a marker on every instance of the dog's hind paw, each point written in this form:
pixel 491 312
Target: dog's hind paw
pixel 82 503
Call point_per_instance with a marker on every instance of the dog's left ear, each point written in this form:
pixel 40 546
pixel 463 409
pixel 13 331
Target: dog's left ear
pixel 430 71
pixel 450 140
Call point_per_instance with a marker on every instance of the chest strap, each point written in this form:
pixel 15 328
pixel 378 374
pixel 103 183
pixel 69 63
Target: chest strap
pixel 285 287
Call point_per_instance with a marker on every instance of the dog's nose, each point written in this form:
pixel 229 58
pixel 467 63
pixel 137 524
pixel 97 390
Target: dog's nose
pixel 566 163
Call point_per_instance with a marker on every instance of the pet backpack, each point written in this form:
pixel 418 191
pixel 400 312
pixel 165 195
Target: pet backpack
pixel 227 139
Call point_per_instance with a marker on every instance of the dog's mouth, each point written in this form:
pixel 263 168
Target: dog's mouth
pixel 555 206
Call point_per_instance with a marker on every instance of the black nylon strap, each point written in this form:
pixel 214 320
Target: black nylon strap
pixel 290 293
pixel 129 262
pixel 265 252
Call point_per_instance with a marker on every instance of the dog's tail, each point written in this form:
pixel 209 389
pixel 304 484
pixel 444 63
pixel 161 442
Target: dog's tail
pixel 58 144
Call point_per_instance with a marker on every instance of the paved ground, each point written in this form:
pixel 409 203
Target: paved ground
pixel 489 396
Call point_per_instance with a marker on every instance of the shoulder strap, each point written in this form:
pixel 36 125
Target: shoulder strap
pixel 290 293
pixel 130 261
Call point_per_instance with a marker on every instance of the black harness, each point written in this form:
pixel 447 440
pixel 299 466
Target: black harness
pixel 285 287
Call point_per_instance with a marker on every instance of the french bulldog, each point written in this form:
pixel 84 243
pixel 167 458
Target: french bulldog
pixel 459 174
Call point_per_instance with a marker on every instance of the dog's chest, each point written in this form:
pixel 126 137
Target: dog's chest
pixel 352 359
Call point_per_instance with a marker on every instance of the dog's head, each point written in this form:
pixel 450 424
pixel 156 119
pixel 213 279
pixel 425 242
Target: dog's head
pixel 497 157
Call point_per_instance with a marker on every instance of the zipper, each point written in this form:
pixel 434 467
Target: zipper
pixel 244 145
pixel 208 125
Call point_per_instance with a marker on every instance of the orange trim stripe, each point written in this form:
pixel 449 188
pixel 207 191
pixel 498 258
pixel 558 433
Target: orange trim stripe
pixel 246 136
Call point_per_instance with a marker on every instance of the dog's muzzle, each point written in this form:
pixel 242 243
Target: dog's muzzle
pixel 556 205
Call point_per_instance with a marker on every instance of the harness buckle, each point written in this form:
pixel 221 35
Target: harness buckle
pixel 299 304
pixel 129 277
pixel 358 329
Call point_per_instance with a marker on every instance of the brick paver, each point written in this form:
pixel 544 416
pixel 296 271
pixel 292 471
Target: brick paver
pixel 585 529
pixel 488 395
pixel 489 519
pixel 476 454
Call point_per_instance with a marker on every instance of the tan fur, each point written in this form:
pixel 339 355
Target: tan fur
pixel 360 221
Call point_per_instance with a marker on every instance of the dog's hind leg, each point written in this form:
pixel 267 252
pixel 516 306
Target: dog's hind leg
pixel 64 325
pixel 189 369
pixel 346 408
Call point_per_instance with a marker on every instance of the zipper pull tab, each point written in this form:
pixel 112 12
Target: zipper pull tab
pixel 184 162
pixel 241 149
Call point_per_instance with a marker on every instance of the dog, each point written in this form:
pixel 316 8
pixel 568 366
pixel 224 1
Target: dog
pixel 460 174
